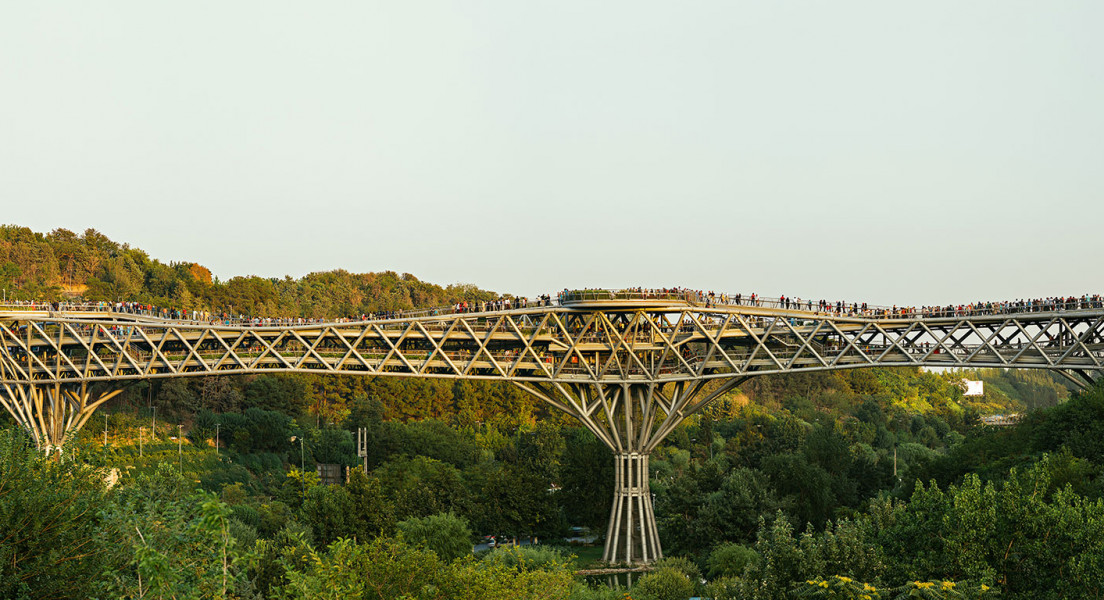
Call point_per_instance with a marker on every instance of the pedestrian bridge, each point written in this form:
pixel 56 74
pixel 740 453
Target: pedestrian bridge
pixel 630 365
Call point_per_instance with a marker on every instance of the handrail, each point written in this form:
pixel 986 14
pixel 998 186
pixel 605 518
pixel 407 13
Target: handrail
pixel 566 298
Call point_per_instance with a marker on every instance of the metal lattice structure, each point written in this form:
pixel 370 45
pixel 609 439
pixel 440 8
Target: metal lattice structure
pixel 630 370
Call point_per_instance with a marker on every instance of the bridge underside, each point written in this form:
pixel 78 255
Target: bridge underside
pixel 629 374
pixel 52 413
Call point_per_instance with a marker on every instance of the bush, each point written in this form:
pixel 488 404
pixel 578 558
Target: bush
pixel 390 568
pixel 530 558
pixel 664 583
pixel 730 560
pixel 444 533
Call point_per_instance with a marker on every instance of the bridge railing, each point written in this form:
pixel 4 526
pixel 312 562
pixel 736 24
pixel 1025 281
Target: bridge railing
pixel 699 298
pixel 694 298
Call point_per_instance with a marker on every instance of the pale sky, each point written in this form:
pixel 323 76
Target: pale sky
pixel 874 151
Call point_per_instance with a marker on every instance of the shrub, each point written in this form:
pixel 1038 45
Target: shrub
pixel 445 533
pixel 664 583
pixel 730 560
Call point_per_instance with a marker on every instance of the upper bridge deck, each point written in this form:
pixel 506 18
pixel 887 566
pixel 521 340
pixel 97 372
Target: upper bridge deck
pixel 589 335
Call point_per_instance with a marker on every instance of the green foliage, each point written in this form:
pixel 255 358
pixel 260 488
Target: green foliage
pixel 530 557
pixel 446 534
pixel 419 487
pixel 295 487
pixel 34 266
pixel 383 569
pixel 664 583
pixel 387 568
pixel 518 498
pixel 1026 523
pixel 357 510
pixel 372 514
pixel 732 512
pixel 50 545
pixel 805 486
pixel 839 587
pixel 586 478
pixel 281 394
pixel 1028 388
pixel 271 558
pixel 1019 534
pixel 728 588
pixel 731 560
pixel 169 544
pixel 328 509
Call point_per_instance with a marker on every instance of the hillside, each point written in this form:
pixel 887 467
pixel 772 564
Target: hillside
pixel 36 266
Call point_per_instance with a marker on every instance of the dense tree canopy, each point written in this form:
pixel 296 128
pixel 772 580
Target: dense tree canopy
pixel 34 266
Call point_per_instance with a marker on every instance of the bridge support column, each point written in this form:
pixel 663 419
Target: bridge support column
pixel 632 534
pixel 631 419
pixel 52 414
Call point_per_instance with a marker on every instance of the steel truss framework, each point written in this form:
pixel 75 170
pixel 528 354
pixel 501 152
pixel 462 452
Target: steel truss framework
pixel 630 372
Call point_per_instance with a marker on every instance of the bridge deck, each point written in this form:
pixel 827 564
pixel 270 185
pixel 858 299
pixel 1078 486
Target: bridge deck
pixel 634 341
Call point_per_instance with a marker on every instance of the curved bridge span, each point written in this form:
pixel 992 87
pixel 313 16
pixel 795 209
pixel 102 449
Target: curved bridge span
pixel 630 369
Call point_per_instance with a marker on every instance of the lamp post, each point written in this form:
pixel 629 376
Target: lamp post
pixel 105 430
pixel 217 425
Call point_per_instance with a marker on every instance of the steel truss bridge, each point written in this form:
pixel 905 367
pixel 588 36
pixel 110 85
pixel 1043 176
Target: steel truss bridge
pixel 630 367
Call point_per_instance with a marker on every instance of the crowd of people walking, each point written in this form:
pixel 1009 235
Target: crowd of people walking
pixel 705 299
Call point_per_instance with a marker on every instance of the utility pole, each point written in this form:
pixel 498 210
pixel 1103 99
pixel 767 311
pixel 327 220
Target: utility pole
pixel 217 425
pixel 105 430
pixel 141 434
pixel 180 447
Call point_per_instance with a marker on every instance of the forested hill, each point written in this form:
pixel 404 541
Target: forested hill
pixel 36 266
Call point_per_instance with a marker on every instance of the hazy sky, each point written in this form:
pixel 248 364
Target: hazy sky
pixel 878 151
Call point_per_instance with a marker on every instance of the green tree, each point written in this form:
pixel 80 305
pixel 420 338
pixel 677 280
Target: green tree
pixel 446 534
pixel 419 487
pixel 372 514
pixel 586 472
pixel 731 560
pixel 50 541
pixel 732 513
pixel 328 509
pixel 171 544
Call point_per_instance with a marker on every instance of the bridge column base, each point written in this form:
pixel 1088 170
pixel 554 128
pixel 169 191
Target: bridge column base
pixel 632 535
